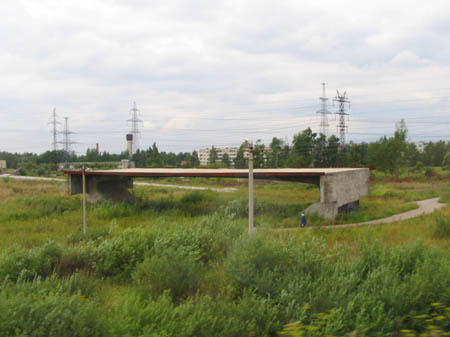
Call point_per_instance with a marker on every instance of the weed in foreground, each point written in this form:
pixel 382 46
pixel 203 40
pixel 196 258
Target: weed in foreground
pixel 442 227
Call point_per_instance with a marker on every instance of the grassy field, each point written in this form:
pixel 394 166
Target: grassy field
pixel 180 263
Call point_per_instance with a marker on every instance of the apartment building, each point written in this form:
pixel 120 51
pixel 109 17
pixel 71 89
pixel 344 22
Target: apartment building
pixel 204 155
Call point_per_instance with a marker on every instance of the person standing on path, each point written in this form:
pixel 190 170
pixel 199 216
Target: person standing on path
pixel 303 220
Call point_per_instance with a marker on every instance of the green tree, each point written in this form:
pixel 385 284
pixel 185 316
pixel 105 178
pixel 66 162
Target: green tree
pixel 154 158
pixel 275 154
pixel 294 160
pixel 446 161
pixel 389 154
pixel 240 161
pixel 320 151
pixel 412 154
pixel 226 160
pixel 303 146
pixel 140 158
pixel 213 156
pixel 259 154
pixel 332 151
pixel 195 161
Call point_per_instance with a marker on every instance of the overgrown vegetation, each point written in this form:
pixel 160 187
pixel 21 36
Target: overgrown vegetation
pixel 180 263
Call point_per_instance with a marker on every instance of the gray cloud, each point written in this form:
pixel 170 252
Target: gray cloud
pixel 209 72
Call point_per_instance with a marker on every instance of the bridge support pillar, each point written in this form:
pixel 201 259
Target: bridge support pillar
pixel 340 192
pixel 101 187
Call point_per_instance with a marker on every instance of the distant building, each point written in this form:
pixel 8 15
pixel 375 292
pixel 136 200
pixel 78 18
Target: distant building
pixel 420 146
pixel 204 154
pixel 2 164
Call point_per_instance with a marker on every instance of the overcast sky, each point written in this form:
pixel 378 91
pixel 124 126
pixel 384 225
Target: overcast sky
pixel 208 72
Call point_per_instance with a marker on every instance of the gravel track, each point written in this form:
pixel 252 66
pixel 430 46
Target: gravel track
pixel 425 207
pixel 224 190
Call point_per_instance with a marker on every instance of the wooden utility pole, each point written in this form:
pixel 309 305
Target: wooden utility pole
pixel 250 188
pixel 84 198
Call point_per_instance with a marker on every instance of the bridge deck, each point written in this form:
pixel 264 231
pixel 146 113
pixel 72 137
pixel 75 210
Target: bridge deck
pixel 232 173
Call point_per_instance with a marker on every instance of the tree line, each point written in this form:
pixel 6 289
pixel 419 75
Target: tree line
pixel 308 149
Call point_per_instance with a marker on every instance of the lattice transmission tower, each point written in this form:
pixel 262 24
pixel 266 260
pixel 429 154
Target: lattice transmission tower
pixel 67 142
pixel 342 100
pixel 324 112
pixel 55 132
pixel 55 123
pixel 134 112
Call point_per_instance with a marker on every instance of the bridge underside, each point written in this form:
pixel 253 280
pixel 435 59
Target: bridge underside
pixel 340 189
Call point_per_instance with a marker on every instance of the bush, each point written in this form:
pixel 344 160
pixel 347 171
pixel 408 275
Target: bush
pixel 197 203
pixel 207 243
pixel 257 264
pixel 80 257
pixel 30 310
pixel 201 316
pixel 22 172
pixel 238 208
pixel 79 284
pixel 15 264
pixel 119 256
pixel 48 258
pixel 92 234
pixel 429 172
pixel 20 264
pixel 176 269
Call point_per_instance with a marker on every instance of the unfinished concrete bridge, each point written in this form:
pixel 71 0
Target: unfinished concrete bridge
pixel 340 188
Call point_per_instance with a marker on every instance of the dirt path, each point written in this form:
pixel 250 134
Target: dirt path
pixel 425 207
pixel 225 189
pixel 29 178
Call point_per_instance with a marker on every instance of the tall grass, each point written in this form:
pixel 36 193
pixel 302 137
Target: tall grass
pixel 442 226
pixel 181 264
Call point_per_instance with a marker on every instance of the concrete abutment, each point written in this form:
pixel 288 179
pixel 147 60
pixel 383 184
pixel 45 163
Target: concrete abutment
pixel 114 188
pixel 340 192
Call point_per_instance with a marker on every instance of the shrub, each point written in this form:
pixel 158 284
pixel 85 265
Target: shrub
pixel 22 172
pixel 79 284
pixel 119 256
pixel 20 264
pixel 47 258
pixel 176 269
pixel 257 264
pixel 80 257
pixel 238 208
pixel 442 227
pixel 207 243
pixel 30 310
pixel 200 316
pixel 198 202
pixel 92 234
pixel 15 264
pixel 429 172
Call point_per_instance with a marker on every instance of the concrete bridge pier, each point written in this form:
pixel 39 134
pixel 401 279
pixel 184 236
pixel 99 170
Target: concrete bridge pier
pixel 340 192
pixel 102 187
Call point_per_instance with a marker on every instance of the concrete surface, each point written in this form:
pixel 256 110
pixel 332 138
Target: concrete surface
pixel 340 192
